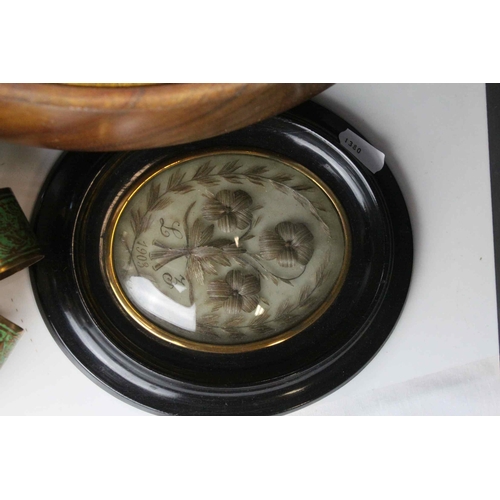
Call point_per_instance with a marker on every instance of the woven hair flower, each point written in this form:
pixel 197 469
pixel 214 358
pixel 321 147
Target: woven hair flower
pixel 288 243
pixel 237 292
pixel 230 209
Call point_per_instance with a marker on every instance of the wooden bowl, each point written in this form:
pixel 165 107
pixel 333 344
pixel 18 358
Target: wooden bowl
pixel 117 118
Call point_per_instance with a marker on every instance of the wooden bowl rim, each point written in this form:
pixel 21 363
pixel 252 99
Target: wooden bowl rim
pixel 138 97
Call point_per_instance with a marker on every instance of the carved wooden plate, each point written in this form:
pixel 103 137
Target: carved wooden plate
pixel 246 274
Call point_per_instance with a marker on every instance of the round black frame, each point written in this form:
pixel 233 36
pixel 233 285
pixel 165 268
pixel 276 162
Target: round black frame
pixel 86 320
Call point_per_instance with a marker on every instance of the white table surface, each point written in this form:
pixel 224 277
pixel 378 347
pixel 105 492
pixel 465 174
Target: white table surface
pixel 442 357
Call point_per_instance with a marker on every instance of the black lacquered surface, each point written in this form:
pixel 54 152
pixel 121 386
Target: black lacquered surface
pixel 85 318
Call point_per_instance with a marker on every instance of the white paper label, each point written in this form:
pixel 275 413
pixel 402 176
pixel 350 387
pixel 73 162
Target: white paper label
pixel 370 157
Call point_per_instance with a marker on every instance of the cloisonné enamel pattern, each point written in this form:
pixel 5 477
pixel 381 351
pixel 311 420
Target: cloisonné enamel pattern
pixel 9 335
pixel 18 245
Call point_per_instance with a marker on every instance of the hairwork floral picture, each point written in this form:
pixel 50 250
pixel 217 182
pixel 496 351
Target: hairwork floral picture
pixel 230 248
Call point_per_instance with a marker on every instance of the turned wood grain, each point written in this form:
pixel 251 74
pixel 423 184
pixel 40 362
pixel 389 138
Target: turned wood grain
pixel 84 118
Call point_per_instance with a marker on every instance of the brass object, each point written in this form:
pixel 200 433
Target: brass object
pixel 18 250
pixel 9 335
pixel 18 245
